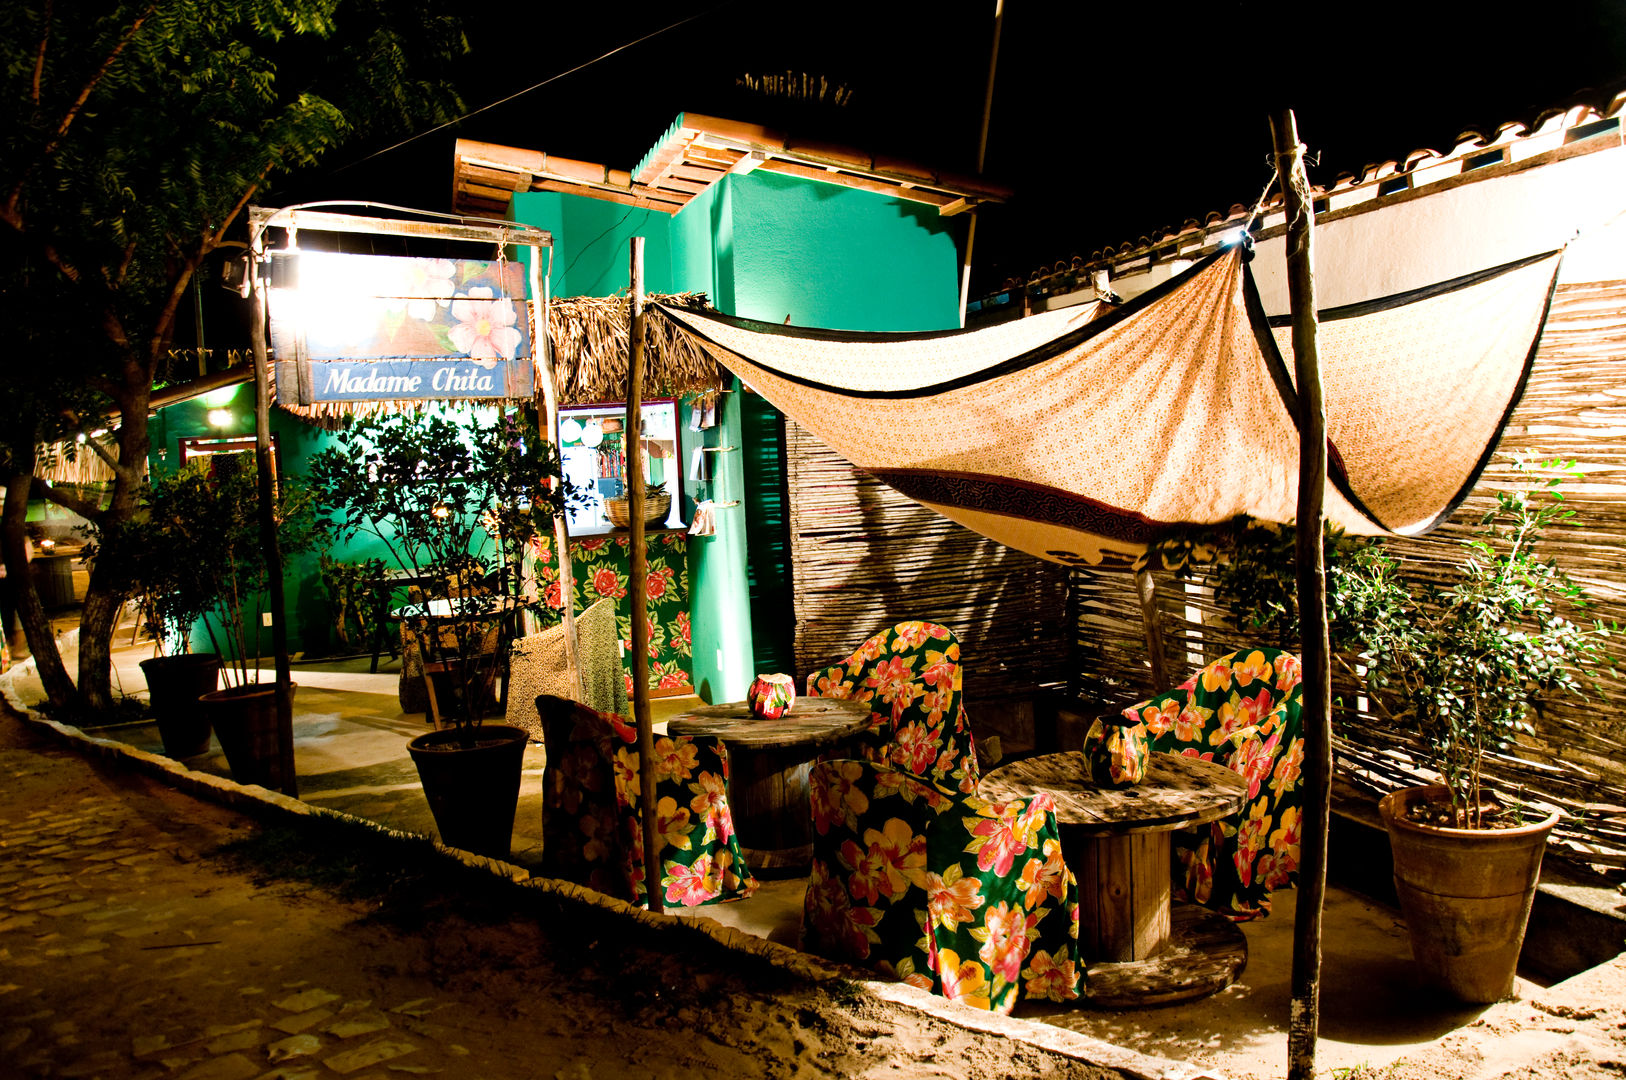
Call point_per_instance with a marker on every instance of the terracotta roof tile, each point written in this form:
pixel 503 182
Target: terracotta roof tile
pixel 1550 130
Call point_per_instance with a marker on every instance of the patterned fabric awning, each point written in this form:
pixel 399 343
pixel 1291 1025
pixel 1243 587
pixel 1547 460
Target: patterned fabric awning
pixel 1085 433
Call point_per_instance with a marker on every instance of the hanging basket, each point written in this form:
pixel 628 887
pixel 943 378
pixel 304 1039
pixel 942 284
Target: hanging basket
pixel 656 507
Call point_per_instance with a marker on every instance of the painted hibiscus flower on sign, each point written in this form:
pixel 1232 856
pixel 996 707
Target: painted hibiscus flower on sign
pixel 485 329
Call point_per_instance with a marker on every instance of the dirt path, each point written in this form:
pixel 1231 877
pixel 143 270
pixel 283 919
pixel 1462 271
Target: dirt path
pixel 130 947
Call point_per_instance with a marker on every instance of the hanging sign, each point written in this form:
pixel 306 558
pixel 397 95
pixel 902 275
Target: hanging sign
pixel 384 328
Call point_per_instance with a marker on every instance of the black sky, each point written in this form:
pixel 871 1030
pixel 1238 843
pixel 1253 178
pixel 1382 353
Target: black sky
pixel 1107 123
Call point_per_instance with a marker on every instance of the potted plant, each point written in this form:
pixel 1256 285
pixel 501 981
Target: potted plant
pixel 458 504
pixel 149 556
pixel 1462 662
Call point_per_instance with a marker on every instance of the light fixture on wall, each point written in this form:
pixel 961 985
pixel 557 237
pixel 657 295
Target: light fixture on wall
pixel 220 418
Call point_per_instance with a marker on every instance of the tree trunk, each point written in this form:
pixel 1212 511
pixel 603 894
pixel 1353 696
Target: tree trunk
pixel 98 618
pixel 59 689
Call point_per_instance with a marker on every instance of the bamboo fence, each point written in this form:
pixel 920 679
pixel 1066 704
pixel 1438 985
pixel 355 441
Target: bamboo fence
pixel 864 558
pixel 1574 409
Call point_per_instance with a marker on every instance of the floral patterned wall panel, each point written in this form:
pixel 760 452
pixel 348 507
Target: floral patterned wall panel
pixel 601 566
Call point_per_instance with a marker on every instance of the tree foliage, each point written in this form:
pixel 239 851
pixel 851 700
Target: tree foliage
pixel 1466 660
pixel 461 505
pixel 133 136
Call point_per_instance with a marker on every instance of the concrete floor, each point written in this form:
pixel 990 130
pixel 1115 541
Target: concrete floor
pixel 350 740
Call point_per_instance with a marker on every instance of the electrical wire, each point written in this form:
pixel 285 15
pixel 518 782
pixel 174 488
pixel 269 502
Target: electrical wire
pixel 537 86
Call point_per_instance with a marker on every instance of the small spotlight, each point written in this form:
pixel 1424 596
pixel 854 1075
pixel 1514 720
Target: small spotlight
pixel 220 417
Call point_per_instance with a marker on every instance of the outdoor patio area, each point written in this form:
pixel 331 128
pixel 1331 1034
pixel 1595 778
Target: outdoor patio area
pixel 350 751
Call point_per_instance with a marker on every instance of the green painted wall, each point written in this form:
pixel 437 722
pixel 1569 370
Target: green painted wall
pixel 763 246
pixel 590 242
pixel 309 613
pixel 841 258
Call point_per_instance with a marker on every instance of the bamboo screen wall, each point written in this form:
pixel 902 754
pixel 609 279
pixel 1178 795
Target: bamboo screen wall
pixel 1575 409
pixel 865 557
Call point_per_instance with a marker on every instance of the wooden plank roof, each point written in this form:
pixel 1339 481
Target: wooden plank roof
pixel 694 153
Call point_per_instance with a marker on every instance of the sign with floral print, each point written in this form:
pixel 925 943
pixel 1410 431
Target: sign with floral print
pixel 373 327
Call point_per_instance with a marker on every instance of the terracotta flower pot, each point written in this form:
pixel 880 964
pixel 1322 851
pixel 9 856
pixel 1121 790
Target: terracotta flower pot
pixel 472 791
pixel 174 685
pixel 245 722
pixel 1465 895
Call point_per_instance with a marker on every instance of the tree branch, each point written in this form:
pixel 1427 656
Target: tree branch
pixel 39 61
pixel 88 510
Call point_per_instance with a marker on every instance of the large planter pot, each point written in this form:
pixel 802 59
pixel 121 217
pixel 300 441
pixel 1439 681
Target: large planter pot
pixel 245 722
pixel 472 791
pixel 174 685
pixel 1465 895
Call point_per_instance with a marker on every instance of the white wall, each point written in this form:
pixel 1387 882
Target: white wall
pixel 1411 243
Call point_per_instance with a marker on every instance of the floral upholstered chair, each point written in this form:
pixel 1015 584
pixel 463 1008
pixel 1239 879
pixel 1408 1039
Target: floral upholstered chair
pixel 591 829
pixel 1242 711
pixel 910 674
pixel 945 891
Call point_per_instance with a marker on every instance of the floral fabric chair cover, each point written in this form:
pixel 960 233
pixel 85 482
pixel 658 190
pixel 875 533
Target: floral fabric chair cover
pixel 591 829
pixel 910 673
pixel 945 891
pixel 1242 711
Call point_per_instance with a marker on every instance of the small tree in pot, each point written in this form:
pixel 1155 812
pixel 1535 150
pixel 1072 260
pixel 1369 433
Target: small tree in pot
pixel 1463 663
pixel 458 505
pixel 163 558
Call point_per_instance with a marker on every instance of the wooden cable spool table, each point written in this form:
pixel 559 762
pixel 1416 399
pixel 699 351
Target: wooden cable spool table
pixel 1139 948
pixel 769 763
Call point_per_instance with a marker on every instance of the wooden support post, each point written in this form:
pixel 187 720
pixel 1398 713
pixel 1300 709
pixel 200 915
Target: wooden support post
pixel 1152 620
pixel 542 342
pixel 269 548
pixel 638 587
pixel 1305 1005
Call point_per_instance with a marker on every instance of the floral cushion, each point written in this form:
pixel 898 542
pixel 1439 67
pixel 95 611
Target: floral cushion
pixel 911 675
pixel 591 828
pixel 1242 711
pixel 948 892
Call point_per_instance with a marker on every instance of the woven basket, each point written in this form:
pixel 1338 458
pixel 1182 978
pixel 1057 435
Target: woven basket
pixel 656 507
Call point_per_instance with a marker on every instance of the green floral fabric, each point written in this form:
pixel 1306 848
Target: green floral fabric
pixel 1242 711
pixel 911 675
pixel 591 828
pixel 948 892
pixel 600 567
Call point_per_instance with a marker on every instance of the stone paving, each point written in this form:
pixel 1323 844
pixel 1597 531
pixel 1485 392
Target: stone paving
pixel 98 901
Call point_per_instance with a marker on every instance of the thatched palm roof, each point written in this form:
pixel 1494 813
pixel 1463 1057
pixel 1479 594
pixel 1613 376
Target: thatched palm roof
pixel 590 338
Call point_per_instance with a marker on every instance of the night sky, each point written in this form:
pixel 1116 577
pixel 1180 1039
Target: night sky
pixel 1108 124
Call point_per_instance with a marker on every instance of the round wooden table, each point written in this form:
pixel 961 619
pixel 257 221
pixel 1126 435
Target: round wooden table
pixel 769 763
pixel 1140 948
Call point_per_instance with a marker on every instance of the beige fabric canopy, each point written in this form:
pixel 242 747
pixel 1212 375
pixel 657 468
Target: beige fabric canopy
pixel 1085 433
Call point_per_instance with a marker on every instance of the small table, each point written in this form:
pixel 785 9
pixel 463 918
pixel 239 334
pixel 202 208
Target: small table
pixel 383 596
pixel 769 763
pixel 1140 948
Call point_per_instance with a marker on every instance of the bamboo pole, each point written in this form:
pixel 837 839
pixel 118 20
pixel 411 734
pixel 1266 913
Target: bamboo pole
pixel 1152 622
pixel 982 154
pixel 1305 1005
pixel 638 587
pixel 268 537
pixel 542 343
